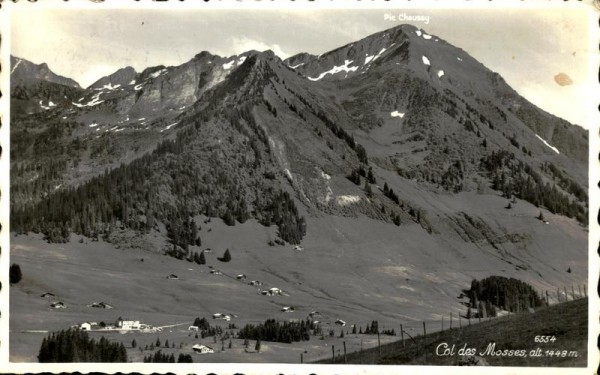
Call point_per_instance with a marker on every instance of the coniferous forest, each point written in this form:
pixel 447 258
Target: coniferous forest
pixel 74 345
pixel 199 179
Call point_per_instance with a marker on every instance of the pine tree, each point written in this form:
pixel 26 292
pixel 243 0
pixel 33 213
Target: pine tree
pixel 226 257
pixel 354 329
pixel 15 274
pixel 257 346
pixel 133 343
pixel 202 259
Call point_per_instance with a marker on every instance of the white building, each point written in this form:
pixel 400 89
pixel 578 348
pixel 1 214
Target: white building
pixel 193 328
pixel 85 326
pixel 202 349
pixel 128 324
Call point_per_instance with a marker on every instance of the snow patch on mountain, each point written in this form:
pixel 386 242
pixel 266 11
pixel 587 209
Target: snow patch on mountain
pixel 132 82
pixel 15 67
pixel 426 60
pixel 109 86
pixel 169 126
pixel 440 73
pixel 418 32
pixel 93 125
pixel 427 37
pixel 228 65
pixel 241 60
pixel 336 69
pixel 397 114
pixel 459 59
pixel 369 59
pixel 345 200
pixel 156 74
pixel 49 106
pixel 548 144
pixel 296 66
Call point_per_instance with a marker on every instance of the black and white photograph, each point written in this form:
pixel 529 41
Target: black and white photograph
pixel 199 188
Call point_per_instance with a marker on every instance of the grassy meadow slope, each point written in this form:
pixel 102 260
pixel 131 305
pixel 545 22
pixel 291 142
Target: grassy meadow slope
pixel 355 269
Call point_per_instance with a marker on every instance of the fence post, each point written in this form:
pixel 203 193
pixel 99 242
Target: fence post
pixel 424 329
pixel 402 334
pixel 332 353
pixel 450 321
pixel 345 358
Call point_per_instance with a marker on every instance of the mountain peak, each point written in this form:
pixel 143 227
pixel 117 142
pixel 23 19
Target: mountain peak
pixel 121 77
pixel 24 72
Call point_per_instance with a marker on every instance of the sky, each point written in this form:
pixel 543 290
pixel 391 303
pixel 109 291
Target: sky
pixel 545 55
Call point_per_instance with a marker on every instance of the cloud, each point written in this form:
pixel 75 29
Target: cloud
pixel 243 44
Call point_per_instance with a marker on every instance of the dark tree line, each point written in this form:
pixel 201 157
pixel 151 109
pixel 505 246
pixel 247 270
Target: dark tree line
pixel 513 177
pixel 272 330
pixel 160 357
pixel 74 345
pixel 500 292
pixel 282 212
pixel 196 180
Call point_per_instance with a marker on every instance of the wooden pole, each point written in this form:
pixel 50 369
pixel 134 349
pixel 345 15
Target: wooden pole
pixel 332 353
pixel 547 298
pixel 557 295
pixel 345 358
pixel 402 334
pixel 301 358
pixel 450 321
pixel 442 323
pixel 424 329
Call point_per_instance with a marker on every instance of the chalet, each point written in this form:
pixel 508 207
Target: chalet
pixel 85 326
pixel 287 309
pixel 255 283
pixel 47 294
pixel 202 349
pixel 274 291
pixel 100 305
pixel 241 277
pixel 128 324
pixel 220 316
pixel 173 277
pixel 58 305
pixel 340 322
pixel 193 328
